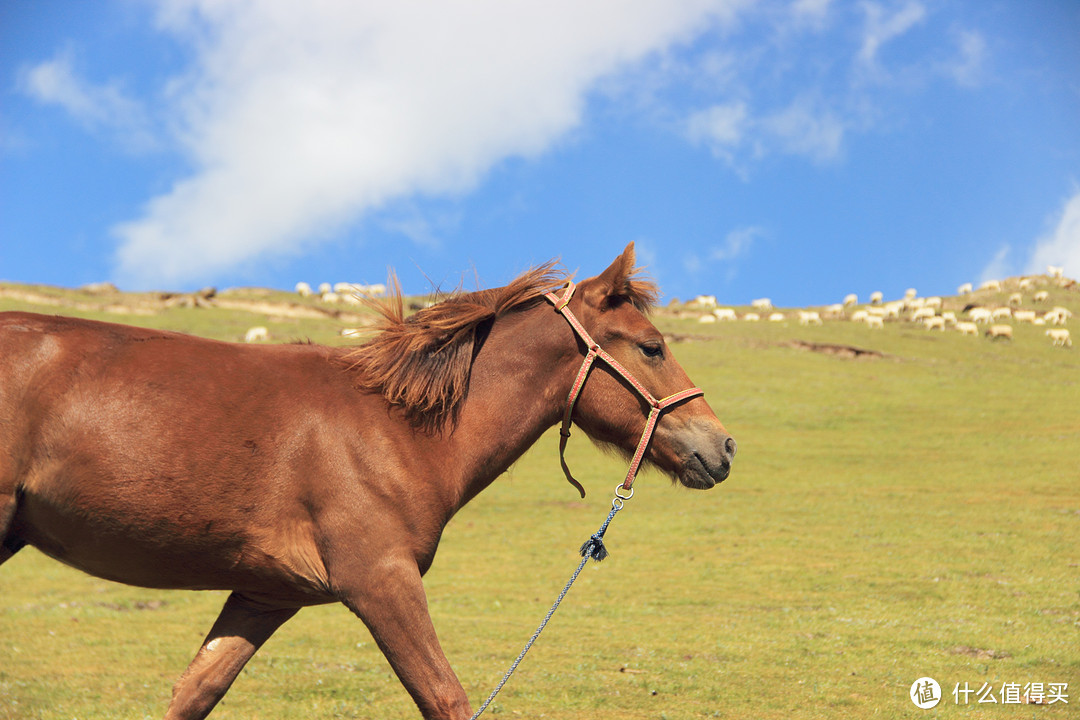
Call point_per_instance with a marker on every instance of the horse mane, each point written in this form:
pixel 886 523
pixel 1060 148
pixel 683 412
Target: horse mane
pixel 422 363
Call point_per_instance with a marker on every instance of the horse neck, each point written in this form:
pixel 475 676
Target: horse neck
pixel 517 390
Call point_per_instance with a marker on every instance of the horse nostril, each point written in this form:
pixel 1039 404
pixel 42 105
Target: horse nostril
pixel 730 446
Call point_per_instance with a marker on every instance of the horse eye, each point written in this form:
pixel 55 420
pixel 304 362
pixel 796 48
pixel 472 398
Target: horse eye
pixel 652 350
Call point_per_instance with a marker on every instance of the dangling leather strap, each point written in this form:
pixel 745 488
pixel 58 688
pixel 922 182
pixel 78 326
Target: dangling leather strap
pixel 593 352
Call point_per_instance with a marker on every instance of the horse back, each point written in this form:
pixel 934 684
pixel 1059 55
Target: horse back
pixel 160 459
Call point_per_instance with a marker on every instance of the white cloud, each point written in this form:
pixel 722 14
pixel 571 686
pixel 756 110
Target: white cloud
pixel 1061 247
pixel 721 127
pixel 97 107
pixel 302 117
pixel 999 266
pixel 807 127
pixel 736 243
pixel 882 27
pixel 967 68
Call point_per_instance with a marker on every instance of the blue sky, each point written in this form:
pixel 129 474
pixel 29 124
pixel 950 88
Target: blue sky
pixel 797 150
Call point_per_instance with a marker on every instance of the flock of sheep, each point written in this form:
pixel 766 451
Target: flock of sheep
pixel 928 311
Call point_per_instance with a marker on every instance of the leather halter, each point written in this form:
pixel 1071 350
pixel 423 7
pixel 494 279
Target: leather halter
pixel 595 351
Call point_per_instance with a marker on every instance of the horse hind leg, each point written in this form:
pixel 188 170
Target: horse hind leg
pixel 241 629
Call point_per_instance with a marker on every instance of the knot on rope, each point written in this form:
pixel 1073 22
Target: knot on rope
pixel 594 547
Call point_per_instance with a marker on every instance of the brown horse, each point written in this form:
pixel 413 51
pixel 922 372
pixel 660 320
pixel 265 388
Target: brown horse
pixel 297 475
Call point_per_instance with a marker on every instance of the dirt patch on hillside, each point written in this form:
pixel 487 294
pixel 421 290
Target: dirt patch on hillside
pixel 846 351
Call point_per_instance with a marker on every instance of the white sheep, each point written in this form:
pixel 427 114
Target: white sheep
pixel 725 314
pixel 851 299
pixel 704 301
pixel 706 318
pixel 1016 299
pixel 809 317
pixel 876 297
pixel 923 313
pixel 934 323
pixel 751 317
pixel 968 328
pixel 964 289
pixel 1060 337
pixel 1055 271
pixel 1041 296
pixel 910 294
pixel 1058 316
pixel 836 310
pixel 1001 313
pixel 981 315
pixel 1024 316
pixel 860 316
pixel 873 321
pixel 992 285
pixel 893 309
pixel 998 332
pixel 302 289
pixel 934 302
pixel 761 304
pixel 777 317
pixel 325 288
pixel 256 334
pixel 949 317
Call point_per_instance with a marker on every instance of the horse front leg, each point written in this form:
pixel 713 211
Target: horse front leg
pixel 392 603
pixel 241 629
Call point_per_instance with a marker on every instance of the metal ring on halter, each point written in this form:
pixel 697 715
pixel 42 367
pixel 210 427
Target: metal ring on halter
pixel 619 498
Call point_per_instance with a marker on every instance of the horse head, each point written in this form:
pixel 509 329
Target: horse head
pixel 689 443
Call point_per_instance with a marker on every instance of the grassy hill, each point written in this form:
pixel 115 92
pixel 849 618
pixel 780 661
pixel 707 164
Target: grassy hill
pixel 910 511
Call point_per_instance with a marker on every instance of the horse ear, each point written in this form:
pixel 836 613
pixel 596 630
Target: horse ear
pixel 613 282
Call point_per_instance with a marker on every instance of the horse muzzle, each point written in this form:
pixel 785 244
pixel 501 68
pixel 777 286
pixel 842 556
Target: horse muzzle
pixel 706 457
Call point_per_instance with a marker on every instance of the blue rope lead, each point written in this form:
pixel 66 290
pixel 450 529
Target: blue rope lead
pixel 593 549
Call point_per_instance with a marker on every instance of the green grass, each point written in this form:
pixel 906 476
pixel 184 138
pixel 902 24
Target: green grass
pixel 886 519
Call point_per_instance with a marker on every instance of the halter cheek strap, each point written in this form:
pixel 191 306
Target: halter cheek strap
pixel 593 352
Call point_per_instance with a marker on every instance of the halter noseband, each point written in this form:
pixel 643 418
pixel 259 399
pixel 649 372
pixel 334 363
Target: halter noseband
pixel 595 351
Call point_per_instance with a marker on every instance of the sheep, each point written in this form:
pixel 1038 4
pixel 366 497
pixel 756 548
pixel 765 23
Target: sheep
pixel 876 297
pixel 330 297
pixel 1024 316
pixel 706 318
pixel 809 317
pixel 302 289
pixel 704 301
pixel 934 323
pixel 873 321
pixel 1055 271
pixel 725 314
pixel 1041 296
pixel 851 299
pixel 968 328
pixel 325 288
pixel 751 317
pixel 1016 299
pixel 993 285
pixel 893 309
pixel 981 315
pixel 777 317
pixel 1060 337
pixel 910 294
pixel 934 302
pixel 836 310
pixel 1001 313
pixel 998 332
pixel 949 317
pixel 761 304
pixel 923 313
pixel 256 334
pixel 860 316
pixel 964 289
pixel 1058 316
pixel 1026 283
